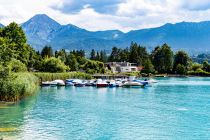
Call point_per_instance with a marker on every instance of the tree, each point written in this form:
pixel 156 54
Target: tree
pixel 115 55
pixel 47 52
pixel 196 66
pixel 16 66
pixel 206 66
pixel 61 55
pixel 162 58
pixel 92 55
pixel 13 44
pixel 97 56
pixel 53 64
pixel 125 55
pixel 134 56
pixel 181 69
pixel 15 34
pixel 182 58
pixel 103 56
pixel 94 67
pixel 71 61
pixel 148 67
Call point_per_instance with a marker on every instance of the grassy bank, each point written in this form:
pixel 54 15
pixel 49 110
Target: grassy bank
pixel 17 85
pixel 63 76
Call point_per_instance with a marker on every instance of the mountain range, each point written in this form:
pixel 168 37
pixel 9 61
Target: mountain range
pixel 42 30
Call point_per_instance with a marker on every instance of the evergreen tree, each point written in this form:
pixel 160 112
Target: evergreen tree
pixel 47 52
pixel 92 55
pixel 115 55
pixel 162 58
pixel 181 58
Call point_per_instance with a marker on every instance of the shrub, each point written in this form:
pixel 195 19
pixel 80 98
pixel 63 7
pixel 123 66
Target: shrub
pixel 180 69
pixel 53 65
pixel 16 66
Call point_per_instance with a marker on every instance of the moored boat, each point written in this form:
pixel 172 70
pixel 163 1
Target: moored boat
pixel 59 82
pixel 78 83
pixel 133 84
pixel 112 83
pixel 49 83
pixel 101 83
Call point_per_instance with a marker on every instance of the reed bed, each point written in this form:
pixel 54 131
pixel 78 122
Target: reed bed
pixel 62 76
pixel 17 86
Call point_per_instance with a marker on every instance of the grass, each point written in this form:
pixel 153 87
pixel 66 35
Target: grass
pixel 199 73
pixel 63 76
pixel 17 85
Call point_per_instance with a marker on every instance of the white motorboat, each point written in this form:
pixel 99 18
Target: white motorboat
pixel 59 82
pixel 131 84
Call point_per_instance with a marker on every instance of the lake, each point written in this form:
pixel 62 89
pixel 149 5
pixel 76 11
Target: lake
pixel 174 108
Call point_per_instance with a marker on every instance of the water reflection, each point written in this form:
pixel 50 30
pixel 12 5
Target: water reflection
pixel 12 116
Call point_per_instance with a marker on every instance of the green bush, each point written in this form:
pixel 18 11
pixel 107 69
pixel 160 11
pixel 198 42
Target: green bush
pixel 199 72
pixel 92 67
pixel 180 69
pixel 196 66
pixel 53 64
pixel 16 66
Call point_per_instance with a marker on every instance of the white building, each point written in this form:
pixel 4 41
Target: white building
pixel 117 67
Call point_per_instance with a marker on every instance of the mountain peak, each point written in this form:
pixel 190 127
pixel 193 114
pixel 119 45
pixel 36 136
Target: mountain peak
pixel 40 26
pixel 43 18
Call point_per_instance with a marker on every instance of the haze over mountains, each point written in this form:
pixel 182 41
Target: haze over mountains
pixel 41 30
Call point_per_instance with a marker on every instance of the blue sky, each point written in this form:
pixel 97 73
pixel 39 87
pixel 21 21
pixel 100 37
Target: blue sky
pixel 95 15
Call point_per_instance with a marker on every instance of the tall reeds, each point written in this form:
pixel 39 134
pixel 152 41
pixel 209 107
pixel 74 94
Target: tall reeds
pixel 63 76
pixel 17 85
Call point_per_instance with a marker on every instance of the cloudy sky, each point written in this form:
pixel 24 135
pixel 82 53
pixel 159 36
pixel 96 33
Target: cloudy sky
pixel 107 14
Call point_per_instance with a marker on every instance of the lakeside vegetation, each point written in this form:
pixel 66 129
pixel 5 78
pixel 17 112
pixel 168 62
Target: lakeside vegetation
pixel 22 68
pixel 63 76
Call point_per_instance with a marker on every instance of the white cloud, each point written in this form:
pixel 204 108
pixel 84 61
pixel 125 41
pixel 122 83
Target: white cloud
pixel 129 14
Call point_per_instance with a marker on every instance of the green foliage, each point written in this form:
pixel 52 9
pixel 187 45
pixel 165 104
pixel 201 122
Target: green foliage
pixel 15 86
pixel 14 33
pixel 206 66
pixel 162 58
pixel 71 61
pixel 16 66
pixel 93 67
pixel 53 65
pixel 181 69
pixel 199 72
pixel 13 45
pixel 47 52
pixel 181 58
pixel 196 66
pixel 138 54
pixel 63 76
pixel 148 67
pixel 115 55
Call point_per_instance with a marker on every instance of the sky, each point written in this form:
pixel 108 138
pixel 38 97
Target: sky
pixel 94 15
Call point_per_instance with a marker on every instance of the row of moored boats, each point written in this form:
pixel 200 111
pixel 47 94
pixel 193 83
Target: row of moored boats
pixel 130 82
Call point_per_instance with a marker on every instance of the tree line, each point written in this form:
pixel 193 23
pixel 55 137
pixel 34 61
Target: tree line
pixel 17 56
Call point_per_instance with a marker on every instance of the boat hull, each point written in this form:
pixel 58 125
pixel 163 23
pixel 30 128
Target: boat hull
pixel 102 85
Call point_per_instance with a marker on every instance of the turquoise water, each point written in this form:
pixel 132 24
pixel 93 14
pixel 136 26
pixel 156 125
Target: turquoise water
pixel 174 108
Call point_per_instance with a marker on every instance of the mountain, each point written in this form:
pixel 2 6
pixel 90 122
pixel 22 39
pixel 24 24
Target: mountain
pixel 42 30
pixel 38 29
pixel 185 35
pixel 1 25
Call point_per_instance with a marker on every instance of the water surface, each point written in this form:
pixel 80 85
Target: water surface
pixel 174 108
